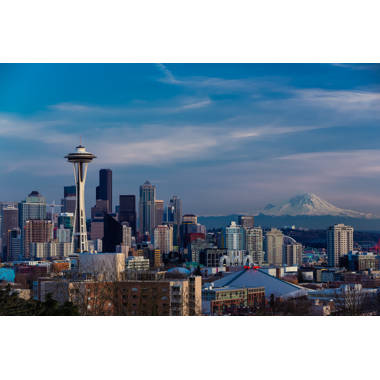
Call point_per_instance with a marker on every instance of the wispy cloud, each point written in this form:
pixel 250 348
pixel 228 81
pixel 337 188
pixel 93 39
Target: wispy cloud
pixel 340 100
pixel 168 76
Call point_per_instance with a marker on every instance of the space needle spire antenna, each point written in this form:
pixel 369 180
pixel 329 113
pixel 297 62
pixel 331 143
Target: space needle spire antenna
pixel 80 159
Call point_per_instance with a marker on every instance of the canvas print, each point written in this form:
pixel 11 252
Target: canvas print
pixel 189 189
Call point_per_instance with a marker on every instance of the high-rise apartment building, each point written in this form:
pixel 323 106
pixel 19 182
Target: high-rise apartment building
pixel 254 244
pixel 234 237
pixel 254 239
pixel 163 238
pixel 274 246
pixel 159 212
pixel 294 254
pixel 126 235
pixel 246 221
pixel 104 190
pixel 127 211
pixel 147 209
pixel 340 241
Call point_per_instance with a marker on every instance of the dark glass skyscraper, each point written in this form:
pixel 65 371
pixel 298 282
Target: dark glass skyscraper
pixel 104 190
pixel 113 233
pixel 147 209
pixel 127 211
pixel 174 216
pixel 69 199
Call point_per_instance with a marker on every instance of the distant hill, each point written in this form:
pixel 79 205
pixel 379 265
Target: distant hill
pixel 300 221
pixel 303 211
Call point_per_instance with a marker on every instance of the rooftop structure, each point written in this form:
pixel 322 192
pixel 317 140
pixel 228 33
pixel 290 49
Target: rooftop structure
pixel 254 278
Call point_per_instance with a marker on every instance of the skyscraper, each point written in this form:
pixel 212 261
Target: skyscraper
pixel 36 231
pixel 80 159
pixel 254 239
pixel 274 247
pixel 127 211
pixel 294 254
pixel 340 241
pixel 113 233
pixel 147 209
pixel 159 212
pixel 34 207
pixel 69 199
pixel 235 237
pixel 104 190
pixel 9 222
pixel 174 216
pixel 163 238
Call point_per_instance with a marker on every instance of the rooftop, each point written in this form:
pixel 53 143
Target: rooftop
pixel 254 278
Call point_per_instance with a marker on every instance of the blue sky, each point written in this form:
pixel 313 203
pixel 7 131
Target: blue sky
pixel 224 137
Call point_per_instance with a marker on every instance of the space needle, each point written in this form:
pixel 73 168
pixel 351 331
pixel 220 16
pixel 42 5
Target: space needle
pixel 80 159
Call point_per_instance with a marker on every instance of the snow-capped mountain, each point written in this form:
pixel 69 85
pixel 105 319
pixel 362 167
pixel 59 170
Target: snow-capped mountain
pixel 310 204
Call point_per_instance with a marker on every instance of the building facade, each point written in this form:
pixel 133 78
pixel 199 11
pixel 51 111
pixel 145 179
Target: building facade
pixel 274 247
pixel 340 241
pixel 147 209
pixel 163 238
pixel 127 211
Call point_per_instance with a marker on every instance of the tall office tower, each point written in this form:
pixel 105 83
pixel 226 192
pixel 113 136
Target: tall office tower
pixel 234 237
pixel 163 238
pixel 14 245
pixel 190 230
pixel 113 233
pixel 100 208
pixel 340 241
pixel 36 231
pixel 174 216
pixel 159 212
pixel 69 199
pixel 104 190
pixel 146 208
pixel 254 239
pixel 175 210
pixel 274 246
pixel 127 211
pixel 294 254
pixel 80 159
pixel 97 228
pixel 34 207
pixel 9 222
pixel 246 221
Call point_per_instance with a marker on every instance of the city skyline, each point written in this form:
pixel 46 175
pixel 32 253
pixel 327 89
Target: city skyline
pixel 187 128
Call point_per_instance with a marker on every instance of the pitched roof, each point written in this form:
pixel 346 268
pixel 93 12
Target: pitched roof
pixel 252 278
